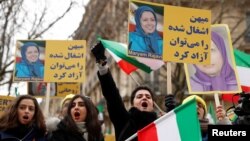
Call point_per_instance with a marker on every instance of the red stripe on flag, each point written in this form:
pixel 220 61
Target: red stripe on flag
pixel 149 133
pixel 126 67
pixel 131 27
pixel 228 98
pixel 245 89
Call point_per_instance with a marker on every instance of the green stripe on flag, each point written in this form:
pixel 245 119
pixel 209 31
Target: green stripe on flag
pixel 212 112
pixel 121 52
pixel 184 113
pixel 241 58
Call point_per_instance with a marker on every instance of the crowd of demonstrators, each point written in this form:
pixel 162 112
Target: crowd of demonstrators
pixel 202 113
pixel 126 123
pixel 80 122
pixel 24 121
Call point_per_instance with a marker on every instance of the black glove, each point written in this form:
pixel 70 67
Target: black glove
pixel 170 102
pixel 99 52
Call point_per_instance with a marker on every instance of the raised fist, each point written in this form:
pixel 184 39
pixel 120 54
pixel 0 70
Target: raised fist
pixel 170 102
pixel 99 52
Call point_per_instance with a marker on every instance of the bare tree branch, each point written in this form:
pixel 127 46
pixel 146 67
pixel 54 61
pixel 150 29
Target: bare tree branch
pixel 241 35
pixel 38 34
pixel 13 20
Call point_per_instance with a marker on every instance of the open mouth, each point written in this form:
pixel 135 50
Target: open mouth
pixel 77 114
pixel 144 104
pixel 26 117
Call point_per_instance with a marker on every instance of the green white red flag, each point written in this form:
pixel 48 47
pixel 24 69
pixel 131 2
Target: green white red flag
pixel 243 69
pixel 180 124
pixel 129 64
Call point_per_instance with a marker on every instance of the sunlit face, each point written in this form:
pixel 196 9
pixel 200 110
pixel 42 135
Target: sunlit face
pixel 148 22
pixel 26 111
pixel 215 67
pixel 32 54
pixel 143 101
pixel 200 111
pixel 78 110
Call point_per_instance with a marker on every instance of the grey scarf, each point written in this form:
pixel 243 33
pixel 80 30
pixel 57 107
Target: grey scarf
pixel 83 130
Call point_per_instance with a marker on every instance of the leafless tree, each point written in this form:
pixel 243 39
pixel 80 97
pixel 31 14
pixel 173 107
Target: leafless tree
pixel 14 20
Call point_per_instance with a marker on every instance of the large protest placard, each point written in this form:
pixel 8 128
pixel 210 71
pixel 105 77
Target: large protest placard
pixel 68 64
pixel 220 75
pixel 50 60
pixel 157 31
pixel 188 34
pixel 5 102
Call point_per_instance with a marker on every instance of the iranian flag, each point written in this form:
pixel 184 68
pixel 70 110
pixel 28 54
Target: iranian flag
pixel 129 64
pixel 243 69
pixel 180 124
pixel 124 65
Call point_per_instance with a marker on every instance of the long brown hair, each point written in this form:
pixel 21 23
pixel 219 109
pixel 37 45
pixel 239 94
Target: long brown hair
pixel 10 118
pixel 92 123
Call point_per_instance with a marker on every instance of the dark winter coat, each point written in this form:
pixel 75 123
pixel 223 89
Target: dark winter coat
pixel 22 134
pixel 63 134
pixel 125 123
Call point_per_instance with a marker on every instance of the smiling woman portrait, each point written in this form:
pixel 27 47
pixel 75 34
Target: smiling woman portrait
pixel 145 38
pixel 30 64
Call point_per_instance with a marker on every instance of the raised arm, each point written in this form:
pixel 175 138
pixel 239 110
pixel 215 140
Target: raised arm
pixel 116 108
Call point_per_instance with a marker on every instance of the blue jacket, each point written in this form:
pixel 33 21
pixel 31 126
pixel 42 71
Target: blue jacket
pixel 137 43
pixel 22 70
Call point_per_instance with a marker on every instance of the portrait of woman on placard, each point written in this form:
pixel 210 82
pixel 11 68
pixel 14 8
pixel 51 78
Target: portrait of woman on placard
pixel 29 66
pixel 219 75
pixel 145 38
